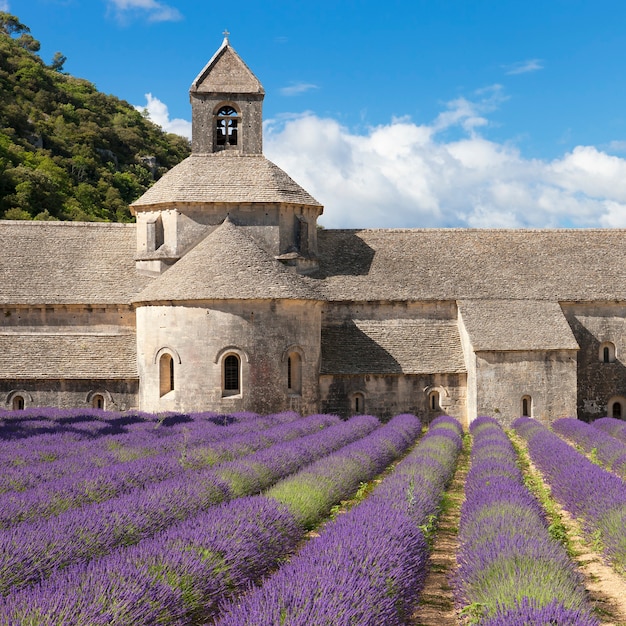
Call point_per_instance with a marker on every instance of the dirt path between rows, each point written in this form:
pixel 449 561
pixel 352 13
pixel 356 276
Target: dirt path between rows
pixel 606 588
pixel 437 607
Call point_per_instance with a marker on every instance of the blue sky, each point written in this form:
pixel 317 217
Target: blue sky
pixel 402 113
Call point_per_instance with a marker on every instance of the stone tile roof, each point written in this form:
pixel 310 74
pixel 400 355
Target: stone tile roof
pixel 227 264
pixel 67 263
pixel 226 72
pixel 505 325
pixel 225 176
pixel 63 356
pixel 400 346
pixel 454 264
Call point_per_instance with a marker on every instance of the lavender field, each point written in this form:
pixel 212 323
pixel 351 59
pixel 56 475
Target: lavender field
pixel 284 520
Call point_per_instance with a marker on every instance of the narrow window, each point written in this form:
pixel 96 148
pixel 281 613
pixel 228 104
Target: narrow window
pixel 155 234
pixel 166 374
pixel 358 404
pixel 98 401
pixel 434 400
pixel 617 410
pixel 231 375
pixel 288 372
pixel 18 403
pixel 607 352
pixel 527 406
pixel 226 127
pixel 294 373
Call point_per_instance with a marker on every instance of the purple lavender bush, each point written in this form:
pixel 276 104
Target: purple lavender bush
pixel 509 568
pixel 608 450
pixel 32 550
pixel 367 567
pixel 613 426
pixel 114 479
pixel 593 495
pixel 208 557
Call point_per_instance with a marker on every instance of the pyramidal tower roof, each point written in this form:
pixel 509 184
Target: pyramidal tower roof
pixel 226 73
pixel 226 265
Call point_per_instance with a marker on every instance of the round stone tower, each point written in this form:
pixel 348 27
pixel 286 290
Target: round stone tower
pixel 228 323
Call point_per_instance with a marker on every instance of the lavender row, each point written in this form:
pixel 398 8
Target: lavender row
pixel 368 566
pixel 590 493
pixel 31 551
pixel 508 565
pixel 181 575
pixel 115 430
pixel 614 427
pixel 100 484
pixel 56 457
pixel 611 452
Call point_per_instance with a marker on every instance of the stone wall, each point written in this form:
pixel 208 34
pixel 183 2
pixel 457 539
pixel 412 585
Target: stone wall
pixel 261 333
pixel 594 324
pixel 389 395
pixel 547 378
pixel 119 395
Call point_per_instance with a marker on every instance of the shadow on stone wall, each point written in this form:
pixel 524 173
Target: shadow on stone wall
pixel 597 381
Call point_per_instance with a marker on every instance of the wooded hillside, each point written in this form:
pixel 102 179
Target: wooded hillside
pixel 67 151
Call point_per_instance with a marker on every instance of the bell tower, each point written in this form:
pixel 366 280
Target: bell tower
pixel 227 106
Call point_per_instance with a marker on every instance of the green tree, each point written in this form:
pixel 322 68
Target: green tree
pixel 58 61
pixel 10 25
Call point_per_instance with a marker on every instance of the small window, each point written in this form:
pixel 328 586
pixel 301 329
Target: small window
pixel 433 401
pixel 527 406
pixel 18 403
pixel 294 373
pixel 616 407
pixel 232 385
pixel 358 404
pixel 607 352
pixel 227 126
pixel 166 374
pixel 97 402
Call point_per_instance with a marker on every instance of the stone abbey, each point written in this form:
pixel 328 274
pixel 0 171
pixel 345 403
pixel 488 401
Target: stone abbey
pixel 226 296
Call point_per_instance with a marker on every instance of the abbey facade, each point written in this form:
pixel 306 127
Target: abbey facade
pixel 225 295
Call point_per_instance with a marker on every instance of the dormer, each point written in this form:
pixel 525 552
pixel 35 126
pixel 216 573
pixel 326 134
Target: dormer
pixel 227 106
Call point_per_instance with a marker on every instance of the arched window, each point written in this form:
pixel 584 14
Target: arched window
pixel 607 352
pixel 527 406
pixel 294 373
pixel 97 402
pixel 616 407
pixel 358 404
pixel 433 401
pixel 231 378
pixel 166 374
pixel 226 126
pixel 18 403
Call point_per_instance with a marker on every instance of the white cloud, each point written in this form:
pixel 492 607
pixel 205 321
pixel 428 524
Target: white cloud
pixel 403 174
pixel 297 88
pixel 524 67
pixel 153 10
pixel 159 114
pixel 4 5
